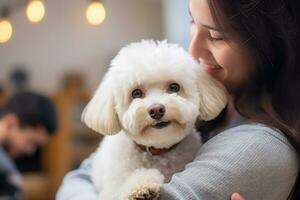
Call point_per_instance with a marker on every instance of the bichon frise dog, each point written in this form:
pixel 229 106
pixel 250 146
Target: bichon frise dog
pixel 149 101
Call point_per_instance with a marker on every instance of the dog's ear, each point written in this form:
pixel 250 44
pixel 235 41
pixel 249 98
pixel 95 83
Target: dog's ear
pixel 100 114
pixel 213 97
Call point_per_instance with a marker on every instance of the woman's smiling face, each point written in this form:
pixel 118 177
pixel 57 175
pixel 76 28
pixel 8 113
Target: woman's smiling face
pixel 224 56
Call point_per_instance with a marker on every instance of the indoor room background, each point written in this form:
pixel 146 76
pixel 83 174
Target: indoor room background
pixel 63 54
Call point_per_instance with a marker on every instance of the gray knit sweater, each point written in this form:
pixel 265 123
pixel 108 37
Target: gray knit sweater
pixel 252 159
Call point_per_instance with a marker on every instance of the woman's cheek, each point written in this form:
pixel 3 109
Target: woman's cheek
pixel 222 52
pixel 224 58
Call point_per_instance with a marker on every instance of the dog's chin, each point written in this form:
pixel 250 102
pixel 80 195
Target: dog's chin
pixel 162 134
pixel 160 124
pixel 160 127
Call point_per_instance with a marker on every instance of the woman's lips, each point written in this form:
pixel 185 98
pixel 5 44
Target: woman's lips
pixel 214 70
pixel 210 68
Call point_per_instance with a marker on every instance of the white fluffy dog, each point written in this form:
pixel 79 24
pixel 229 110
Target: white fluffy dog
pixel 149 100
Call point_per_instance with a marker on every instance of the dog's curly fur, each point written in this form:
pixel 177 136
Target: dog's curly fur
pixel 121 170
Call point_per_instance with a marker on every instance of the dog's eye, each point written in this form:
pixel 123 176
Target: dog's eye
pixel 137 93
pixel 174 87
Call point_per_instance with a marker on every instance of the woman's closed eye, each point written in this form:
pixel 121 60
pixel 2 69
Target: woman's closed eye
pixel 215 37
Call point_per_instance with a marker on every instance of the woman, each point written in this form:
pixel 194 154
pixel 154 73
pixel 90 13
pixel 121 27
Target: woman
pixel 252 148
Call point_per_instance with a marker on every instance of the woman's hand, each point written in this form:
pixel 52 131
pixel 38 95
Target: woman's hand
pixel 236 196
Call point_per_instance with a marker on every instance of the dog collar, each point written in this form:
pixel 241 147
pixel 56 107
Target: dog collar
pixel 155 151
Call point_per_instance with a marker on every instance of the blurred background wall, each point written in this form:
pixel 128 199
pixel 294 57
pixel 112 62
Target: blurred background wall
pixel 64 41
pixel 176 21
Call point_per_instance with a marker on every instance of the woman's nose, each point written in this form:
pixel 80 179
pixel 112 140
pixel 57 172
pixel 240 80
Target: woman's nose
pixel 198 47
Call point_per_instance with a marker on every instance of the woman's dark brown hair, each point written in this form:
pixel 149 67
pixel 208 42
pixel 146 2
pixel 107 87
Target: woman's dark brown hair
pixel 271 31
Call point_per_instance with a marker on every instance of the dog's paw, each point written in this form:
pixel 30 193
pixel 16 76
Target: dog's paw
pixel 142 184
pixel 145 193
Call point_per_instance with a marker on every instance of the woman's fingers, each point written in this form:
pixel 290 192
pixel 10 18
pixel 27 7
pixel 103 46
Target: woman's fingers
pixel 236 196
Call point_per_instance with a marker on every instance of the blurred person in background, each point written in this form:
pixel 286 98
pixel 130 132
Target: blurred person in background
pixel 26 122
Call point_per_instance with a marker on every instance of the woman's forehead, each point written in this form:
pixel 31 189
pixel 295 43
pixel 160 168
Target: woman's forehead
pixel 201 13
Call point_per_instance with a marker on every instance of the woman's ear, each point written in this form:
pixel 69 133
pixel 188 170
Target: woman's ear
pixel 100 114
pixel 213 97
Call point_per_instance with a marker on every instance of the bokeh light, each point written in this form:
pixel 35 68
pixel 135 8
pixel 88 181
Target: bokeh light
pixel 95 13
pixel 35 11
pixel 6 30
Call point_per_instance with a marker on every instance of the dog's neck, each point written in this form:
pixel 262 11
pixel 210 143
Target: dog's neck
pixel 155 151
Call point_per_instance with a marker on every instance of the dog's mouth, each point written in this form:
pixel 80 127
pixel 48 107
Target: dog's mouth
pixel 160 125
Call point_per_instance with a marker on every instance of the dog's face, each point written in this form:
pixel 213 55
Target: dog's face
pixel 160 111
pixel 154 92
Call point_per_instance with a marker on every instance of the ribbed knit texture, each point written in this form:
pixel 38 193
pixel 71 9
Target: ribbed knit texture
pixel 254 160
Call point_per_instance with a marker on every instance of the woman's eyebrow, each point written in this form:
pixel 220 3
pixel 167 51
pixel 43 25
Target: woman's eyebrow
pixel 212 28
pixel 207 26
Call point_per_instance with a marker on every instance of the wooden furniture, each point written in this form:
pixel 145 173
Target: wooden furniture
pixel 72 143
pixel 2 96
pixel 37 186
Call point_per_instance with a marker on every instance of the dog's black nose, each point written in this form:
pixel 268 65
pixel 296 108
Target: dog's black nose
pixel 157 111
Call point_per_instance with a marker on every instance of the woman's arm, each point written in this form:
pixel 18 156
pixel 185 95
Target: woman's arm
pixel 248 160
pixel 77 185
pixel 253 160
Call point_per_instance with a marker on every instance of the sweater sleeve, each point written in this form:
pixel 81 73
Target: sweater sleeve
pixel 254 160
pixel 77 184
